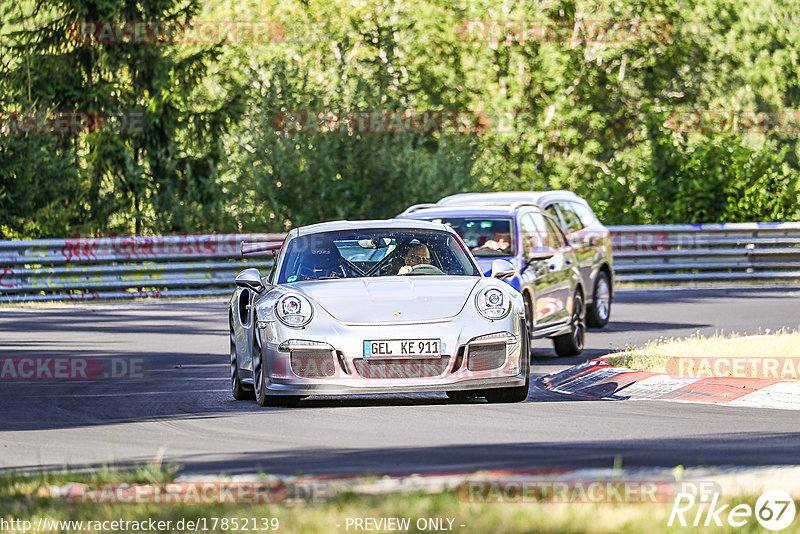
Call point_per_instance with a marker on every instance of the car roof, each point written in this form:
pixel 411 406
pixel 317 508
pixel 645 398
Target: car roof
pixel 473 210
pixel 333 226
pixel 508 197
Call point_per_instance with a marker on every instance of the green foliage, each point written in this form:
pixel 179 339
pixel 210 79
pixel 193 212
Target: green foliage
pixel 159 178
pixel 579 114
pixel 716 180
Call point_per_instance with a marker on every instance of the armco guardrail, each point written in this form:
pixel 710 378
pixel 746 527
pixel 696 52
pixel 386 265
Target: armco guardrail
pixel 707 252
pixel 197 265
pixel 123 267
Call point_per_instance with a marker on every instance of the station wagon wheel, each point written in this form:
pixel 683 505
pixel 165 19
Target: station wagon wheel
pixel 239 390
pixel 571 344
pixel 598 314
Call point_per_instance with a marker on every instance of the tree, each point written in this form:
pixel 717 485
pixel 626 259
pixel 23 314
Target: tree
pixel 159 174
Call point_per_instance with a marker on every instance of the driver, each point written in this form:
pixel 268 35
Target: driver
pixel 500 243
pixel 417 254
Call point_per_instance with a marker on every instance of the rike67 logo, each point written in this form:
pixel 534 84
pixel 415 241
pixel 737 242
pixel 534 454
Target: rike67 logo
pixel 774 510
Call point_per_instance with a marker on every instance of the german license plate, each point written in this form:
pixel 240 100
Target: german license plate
pixel 402 348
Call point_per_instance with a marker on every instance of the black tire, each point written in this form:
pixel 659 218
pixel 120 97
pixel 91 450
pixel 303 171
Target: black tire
pixel 526 298
pixel 260 381
pixel 239 391
pixel 517 393
pixel 599 312
pixel 571 344
pixel 464 395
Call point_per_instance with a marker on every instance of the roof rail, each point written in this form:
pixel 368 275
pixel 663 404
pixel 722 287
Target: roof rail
pixel 416 207
pixel 523 203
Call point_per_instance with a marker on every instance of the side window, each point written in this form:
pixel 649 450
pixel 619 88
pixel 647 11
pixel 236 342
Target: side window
pixel 552 211
pixel 554 235
pixel 530 234
pixel 585 213
pixel 571 219
pixel 545 230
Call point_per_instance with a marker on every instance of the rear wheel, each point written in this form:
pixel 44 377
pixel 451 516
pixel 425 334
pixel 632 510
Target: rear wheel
pixel 571 344
pixel 598 314
pixel 517 393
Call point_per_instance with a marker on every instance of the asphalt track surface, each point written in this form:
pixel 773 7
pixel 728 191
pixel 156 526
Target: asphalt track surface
pixel 180 407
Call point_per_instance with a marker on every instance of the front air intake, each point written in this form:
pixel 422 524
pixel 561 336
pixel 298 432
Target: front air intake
pixel 485 357
pixel 313 363
pixel 401 368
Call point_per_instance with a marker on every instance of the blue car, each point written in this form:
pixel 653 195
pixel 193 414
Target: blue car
pixel 546 268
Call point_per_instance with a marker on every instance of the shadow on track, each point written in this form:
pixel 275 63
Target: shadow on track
pixel 713 450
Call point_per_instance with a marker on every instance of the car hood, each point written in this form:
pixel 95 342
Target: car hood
pixel 391 299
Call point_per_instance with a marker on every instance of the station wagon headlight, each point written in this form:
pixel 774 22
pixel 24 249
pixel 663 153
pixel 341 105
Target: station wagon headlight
pixel 294 310
pixel 493 303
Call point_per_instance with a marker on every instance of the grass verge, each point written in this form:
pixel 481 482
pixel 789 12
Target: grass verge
pixel 656 355
pixel 23 499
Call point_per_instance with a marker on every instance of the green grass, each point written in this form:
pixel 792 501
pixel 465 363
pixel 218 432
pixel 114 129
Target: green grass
pixel 26 499
pixel 656 355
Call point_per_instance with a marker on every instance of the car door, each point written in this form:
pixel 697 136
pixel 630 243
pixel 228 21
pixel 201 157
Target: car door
pixel 244 334
pixel 580 239
pixel 548 280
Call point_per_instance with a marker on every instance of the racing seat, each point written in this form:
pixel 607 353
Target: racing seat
pixel 322 263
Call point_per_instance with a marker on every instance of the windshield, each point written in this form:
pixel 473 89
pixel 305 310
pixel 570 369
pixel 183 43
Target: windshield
pixel 485 236
pixel 374 252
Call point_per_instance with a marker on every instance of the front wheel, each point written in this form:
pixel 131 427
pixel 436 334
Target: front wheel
pixel 238 390
pixel 517 393
pixel 571 344
pixel 262 397
pixel 598 314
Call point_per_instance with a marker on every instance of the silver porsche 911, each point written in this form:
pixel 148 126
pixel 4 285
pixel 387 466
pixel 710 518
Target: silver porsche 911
pixel 377 307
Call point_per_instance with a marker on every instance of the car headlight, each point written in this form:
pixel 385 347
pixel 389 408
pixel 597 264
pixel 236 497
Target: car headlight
pixel 493 303
pixel 294 310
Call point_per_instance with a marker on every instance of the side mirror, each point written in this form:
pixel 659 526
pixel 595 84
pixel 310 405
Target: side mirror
pixel 250 279
pixel 502 269
pixel 541 253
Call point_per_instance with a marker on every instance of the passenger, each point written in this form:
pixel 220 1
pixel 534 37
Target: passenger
pixel 501 243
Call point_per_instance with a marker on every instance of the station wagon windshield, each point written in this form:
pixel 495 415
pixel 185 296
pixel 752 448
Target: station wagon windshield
pixel 485 236
pixel 373 253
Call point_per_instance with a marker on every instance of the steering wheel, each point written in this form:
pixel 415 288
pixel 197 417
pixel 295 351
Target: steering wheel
pixel 425 268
